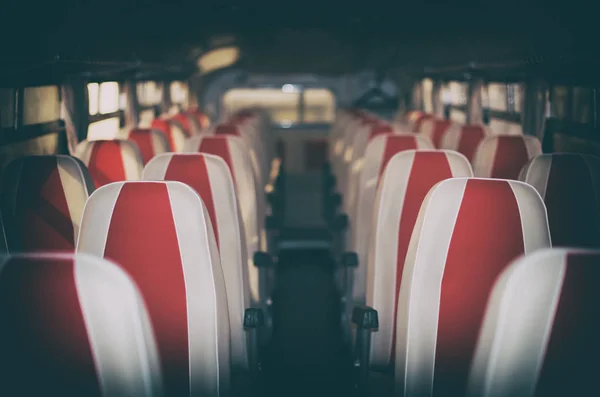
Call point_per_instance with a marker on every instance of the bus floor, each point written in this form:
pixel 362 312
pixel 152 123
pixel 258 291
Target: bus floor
pixel 307 355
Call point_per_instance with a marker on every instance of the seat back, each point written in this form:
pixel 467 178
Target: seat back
pixel 378 154
pixel 464 139
pixel 184 122
pixel 111 161
pixel 252 204
pixel 569 183
pixel 503 156
pixel 173 131
pixel 403 187
pixel 540 333
pixel 42 200
pixel 436 130
pixel 149 142
pixel 74 325
pixel 161 234
pixel 468 230
pixel 209 176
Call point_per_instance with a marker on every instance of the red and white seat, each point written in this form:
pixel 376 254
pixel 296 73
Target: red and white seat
pixel 161 234
pixel 416 120
pixel 185 123
pixel 467 232
pixel 209 175
pixel 378 154
pixel 540 333
pixel 464 139
pixel 503 156
pixel 201 118
pixel 173 131
pixel 74 325
pixel 569 183
pixel 252 206
pixel 407 179
pixel 111 161
pixel 42 202
pixel 436 130
pixel 150 142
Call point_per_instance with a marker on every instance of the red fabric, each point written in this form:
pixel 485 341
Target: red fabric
pixel 227 129
pixel 420 118
pixel 43 337
pixel 218 146
pixel 380 129
pixel 439 129
pixel 428 168
pixel 569 367
pixel 193 171
pixel 511 155
pixel 395 144
pixel 571 203
pixel 164 127
pixel 185 123
pixel 143 140
pixel 42 221
pixel 106 163
pixel 486 237
pixel 143 240
pixel 470 138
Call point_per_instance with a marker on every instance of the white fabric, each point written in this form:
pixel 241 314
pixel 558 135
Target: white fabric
pixel 130 156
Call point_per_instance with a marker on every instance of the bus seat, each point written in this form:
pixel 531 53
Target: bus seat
pixel 234 152
pixel 172 131
pixel 379 153
pixel 161 234
pixel 503 156
pixel 210 176
pixel 540 332
pixel 436 130
pixel 464 139
pixel 569 183
pixel 111 161
pixel 184 122
pixel 42 202
pixel 468 231
pixel 403 187
pixel 74 325
pixel 149 142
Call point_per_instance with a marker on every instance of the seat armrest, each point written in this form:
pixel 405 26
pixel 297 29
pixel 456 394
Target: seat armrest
pixel 262 260
pixel 365 318
pixel 340 222
pixel 349 259
pixel 253 318
pixel 367 321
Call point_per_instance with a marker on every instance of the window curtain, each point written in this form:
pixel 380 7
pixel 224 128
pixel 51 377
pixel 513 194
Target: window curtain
pixel 132 108
pixel 534 108
pixel 436 98
pixel 75 110
pixel 475 109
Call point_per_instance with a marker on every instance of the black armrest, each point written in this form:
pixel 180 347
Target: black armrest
pixel 365 318
pixel 262 260
pixel 340 222
pixel 349 259
pixel 253 318
pixel 367 321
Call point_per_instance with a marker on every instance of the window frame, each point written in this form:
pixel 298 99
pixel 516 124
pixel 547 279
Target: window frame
pixel 567 125
pixel 19 132
pixel 510 115
pixel 155 107
pixel 120 113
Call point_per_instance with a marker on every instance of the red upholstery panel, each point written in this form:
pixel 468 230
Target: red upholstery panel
pixel 511 156
pixel 106 163
pixel 43 339
pixel 218 146
pixel 470 137
pixel 486 237
pixel 394 145
pixel 143 240
pixel 143 140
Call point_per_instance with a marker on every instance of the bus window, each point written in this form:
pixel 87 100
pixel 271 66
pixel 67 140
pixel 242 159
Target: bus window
pixel 41 105
pixel 319 106
pixel 560 97
pixel 454 97
pixel 497 97
pixel 427 85
pixel 287 106
pixel 7 107
pixel 582 105
pixel 104 110
pixel 179 95
pixel 149 94
pixel 505 104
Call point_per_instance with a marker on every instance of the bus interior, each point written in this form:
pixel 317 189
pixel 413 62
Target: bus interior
pixel 220 198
